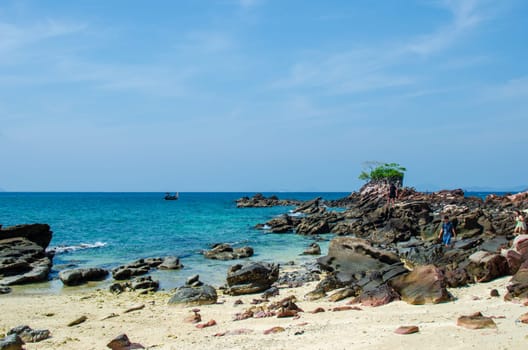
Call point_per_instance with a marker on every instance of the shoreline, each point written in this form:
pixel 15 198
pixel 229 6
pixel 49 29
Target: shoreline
pixel 160 326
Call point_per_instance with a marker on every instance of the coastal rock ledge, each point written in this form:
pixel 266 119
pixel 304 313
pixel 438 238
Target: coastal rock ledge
pixel 23 256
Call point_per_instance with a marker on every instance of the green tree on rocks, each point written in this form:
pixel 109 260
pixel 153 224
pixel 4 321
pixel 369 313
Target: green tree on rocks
pixel 383 172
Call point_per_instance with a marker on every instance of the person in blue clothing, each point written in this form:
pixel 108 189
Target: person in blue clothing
pixel 447 231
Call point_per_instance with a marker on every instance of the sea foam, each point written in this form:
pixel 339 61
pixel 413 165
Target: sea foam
pixel 71 248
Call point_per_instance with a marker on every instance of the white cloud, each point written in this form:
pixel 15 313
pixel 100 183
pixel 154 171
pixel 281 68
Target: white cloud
pixel 14 36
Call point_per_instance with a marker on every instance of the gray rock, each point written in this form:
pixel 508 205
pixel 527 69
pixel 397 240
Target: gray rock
pixel 29 335
pixel 251 278
pixel 191 296
pixel 224 251
pixel 170 263
pixel 74 277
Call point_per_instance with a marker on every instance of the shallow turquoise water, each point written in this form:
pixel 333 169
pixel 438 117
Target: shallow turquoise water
pixel 117 228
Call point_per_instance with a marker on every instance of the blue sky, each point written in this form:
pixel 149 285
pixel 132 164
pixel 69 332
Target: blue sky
pixel 261 95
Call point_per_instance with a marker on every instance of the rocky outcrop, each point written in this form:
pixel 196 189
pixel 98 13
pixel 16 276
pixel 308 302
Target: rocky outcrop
pixel 251 278
pixel 260 201
pixel 224 251
pixel 23 257
pixel 351 258
pixel 75 277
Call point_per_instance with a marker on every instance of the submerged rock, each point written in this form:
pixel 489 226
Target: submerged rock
pixel 224 251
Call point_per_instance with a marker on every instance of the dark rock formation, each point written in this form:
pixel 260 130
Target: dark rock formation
pixel 224 251
pixel 352 257
pixel 259 201
pixel 74 277
pixel 38 233
pixel 22 260
pixel 137 268
pixel 251 278
pixel 11 342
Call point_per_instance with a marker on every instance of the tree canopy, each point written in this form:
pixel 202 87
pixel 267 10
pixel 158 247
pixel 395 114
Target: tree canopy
pixel 377 171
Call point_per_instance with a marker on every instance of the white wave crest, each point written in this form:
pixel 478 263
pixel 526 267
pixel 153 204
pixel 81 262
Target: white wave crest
pixel 71 248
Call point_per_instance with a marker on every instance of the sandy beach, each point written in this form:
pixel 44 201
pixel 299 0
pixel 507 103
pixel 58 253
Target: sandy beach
pixel 160 326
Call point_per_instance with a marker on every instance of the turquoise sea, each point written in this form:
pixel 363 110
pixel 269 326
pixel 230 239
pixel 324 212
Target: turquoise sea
pixel 111 229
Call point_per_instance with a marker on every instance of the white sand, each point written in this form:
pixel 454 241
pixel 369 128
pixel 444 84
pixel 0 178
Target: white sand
pixel 159 326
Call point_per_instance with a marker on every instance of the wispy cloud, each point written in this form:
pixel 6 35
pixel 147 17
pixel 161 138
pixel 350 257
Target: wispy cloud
pixel 373 68
pixel 466 15
pixel 16 36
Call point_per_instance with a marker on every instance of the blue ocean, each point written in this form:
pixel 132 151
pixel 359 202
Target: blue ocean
pixel 111 229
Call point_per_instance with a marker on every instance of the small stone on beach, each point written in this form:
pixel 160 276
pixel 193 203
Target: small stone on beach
pixel 407 330
pixel 476 321
pixel 77 321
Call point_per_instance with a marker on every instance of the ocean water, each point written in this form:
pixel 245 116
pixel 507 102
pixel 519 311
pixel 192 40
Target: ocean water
pixel 110 229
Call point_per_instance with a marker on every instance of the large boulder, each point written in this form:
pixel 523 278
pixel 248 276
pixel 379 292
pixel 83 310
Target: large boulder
pixel 423 285
pixel 518 285
pixel 251 278
pixel 352 257
pixel 224 251
pixel 191 296
pixel 75 277
pixel 485 266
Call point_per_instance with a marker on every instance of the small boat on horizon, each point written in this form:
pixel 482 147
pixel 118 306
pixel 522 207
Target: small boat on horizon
pixel 171 197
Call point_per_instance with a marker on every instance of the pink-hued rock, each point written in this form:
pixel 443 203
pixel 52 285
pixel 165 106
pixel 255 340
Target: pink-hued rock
pixel 382 295
pixel 518 285
pixel 317 310
pixel 476 321
pixel 234 332
pixel 207 324
pixel 407 330
pixel 276 329
pixel 423 285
